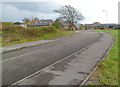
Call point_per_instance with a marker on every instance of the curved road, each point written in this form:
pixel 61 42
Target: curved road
pixel 21 63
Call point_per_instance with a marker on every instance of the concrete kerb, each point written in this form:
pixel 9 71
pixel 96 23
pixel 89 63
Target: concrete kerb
pixel 35 44
pixel 96 66
pixel 24 47
pixel 56 62
pixel 47 67
pixel 69 35
pixel 28 46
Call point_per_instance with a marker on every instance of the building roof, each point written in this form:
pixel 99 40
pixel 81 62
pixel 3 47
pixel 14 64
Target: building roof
pixel 42 23
pixel 96 23
pixel 105 24
pixel 101 24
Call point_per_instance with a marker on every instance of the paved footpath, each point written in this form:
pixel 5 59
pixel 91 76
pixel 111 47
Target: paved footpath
pixel 19 64
pixel 73 69
pixel 32 43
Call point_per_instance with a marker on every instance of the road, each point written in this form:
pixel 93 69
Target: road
pixel 21 63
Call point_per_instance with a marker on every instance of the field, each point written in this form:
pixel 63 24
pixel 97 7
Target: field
pixel 107 71
pixel 16 34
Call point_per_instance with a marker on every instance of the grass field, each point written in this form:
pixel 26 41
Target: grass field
pixel 107 71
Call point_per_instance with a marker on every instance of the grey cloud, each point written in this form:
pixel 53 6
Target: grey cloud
pixel 10 13
pixel 42 7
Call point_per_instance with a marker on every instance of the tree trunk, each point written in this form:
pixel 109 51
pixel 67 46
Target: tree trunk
pixel 70 26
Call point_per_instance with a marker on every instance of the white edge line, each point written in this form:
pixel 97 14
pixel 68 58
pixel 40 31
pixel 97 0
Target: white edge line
pixel 33 45
pixel 52 64
pixel 48 66
pixel 19 56
pixel 28 46
pixel 113 40
pixel 30 52
pixel 25 53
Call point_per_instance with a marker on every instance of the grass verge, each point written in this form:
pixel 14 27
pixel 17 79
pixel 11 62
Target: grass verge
pixel 15 36
pixel 107 71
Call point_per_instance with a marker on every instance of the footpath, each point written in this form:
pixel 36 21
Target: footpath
pixel 32 43
pixel 72 70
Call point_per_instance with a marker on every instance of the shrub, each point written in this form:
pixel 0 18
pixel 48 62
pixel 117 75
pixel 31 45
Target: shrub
pixel 82 28
pixel 39 31
pixel 57 25
pixel 17 34
pixel 29 32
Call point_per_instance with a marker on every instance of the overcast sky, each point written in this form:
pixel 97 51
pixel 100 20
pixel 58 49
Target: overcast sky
pixel 92 10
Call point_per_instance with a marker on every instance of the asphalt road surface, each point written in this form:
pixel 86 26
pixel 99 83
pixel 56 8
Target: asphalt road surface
pixel 21 63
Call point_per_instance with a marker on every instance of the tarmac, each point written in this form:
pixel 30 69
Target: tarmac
pixel 73 69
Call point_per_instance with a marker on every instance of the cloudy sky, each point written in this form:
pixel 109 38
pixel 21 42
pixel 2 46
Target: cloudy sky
pixel 92 10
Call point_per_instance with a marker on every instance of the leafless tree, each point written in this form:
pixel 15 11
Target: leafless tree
pixel 70 15
pixel 26 20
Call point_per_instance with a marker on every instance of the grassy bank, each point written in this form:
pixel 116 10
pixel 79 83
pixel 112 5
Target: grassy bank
pixel 0 34
pixel 107 71
pixel 13 35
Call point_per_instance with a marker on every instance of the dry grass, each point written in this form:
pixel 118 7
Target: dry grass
pixel 13 35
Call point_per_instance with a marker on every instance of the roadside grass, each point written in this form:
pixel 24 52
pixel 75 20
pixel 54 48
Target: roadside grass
pixel 15 35
pixel 0 34
pixel 0 41
pixel 107 71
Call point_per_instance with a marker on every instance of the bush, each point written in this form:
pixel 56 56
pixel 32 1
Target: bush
pixel 57 25
pixel 29 32
pixel 17 34
pixel 82 28
pixel 39 31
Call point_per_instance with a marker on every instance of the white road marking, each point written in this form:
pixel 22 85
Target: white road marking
pixel 26 53
pixel 45 67
pixel 22 55
pixel 30 52
pixel 86 79
pixel 49 66
pixel 54 63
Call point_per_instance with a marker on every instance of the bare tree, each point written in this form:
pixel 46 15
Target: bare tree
pixel 70 15
pixel 26 20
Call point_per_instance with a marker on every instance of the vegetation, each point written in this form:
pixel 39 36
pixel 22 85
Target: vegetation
pixel 70 15
pixel 26 20
pixel 17 34
pixel 17 23
pixel 8 23
pixel 0 34
pixel 57 25
pixel 107 71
